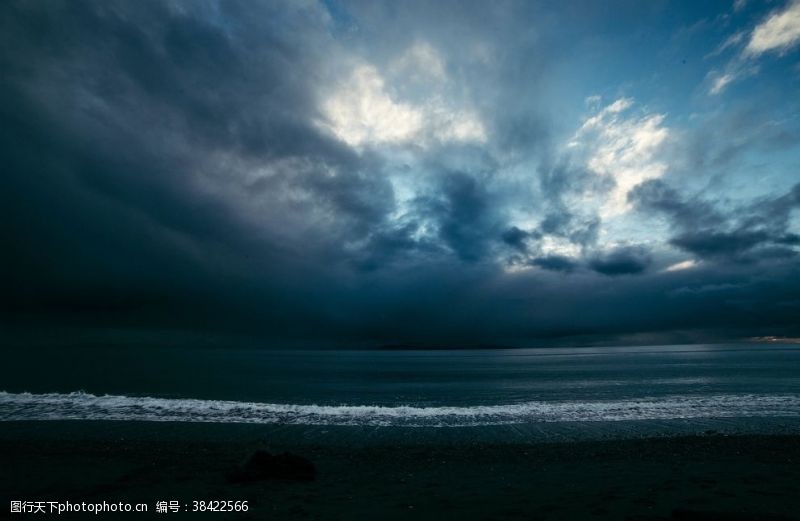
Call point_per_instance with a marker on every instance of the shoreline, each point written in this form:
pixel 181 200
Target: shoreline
pixel 734 476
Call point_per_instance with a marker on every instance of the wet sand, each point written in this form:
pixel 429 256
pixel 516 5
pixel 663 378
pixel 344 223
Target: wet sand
pixel 712 476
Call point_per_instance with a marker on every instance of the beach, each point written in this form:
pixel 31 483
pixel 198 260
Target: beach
pixel 647 433
pixel 707 476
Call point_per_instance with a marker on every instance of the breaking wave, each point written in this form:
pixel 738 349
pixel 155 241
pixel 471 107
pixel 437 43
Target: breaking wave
pixel 84 406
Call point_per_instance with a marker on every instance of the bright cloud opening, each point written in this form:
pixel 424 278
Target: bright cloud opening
pixel 624 149
pixel 681 266
pixel 363 110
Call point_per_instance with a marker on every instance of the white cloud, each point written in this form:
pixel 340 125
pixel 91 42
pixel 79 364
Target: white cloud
pixel 735 70
pixel 363 111
pixel 720 81
pixel 622 148
pixel 599 118
pixel 681 266
pixel 553 245
pixel 779 32
pixel 619 105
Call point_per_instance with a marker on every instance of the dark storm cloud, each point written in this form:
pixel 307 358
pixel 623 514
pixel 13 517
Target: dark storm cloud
pixel 161 90
pixel 719 244
pixel 555 263
pixel 621 261
pixel 111 112
pixel 745 233
pixel 658 197
pixel 166 175
pixel 462 211
pixel 557 183
pixel 515 238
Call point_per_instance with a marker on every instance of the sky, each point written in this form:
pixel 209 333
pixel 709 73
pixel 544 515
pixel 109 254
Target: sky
pixel 358 173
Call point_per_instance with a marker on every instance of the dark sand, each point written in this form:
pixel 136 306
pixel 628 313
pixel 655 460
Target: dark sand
pixel 699 477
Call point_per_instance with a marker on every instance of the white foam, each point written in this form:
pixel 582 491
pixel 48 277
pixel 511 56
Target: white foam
pixel 84 406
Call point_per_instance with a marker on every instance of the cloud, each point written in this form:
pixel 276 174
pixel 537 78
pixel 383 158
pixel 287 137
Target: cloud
pixel 622 261
pixel 736 70
pixel 419 63
pixel 555 263
pixel 362 110
pixel 709 244
pixel 622 149
pixel 462 214
pixel 733 41
pixel 746 233
pixel 274 174
pixel 720 82
pixel 516 238
pixel 779 32
pixel 656 195
pixel 683 265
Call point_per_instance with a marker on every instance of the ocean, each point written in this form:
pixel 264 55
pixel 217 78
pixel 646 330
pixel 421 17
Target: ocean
pixel 541 392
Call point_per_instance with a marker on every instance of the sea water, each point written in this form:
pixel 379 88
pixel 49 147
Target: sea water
pixel 692 385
